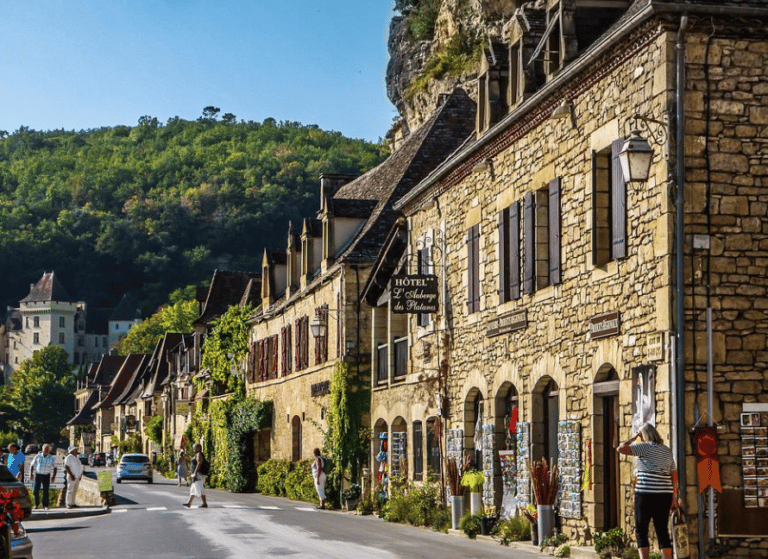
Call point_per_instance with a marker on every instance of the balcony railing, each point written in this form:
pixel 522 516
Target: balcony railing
pixel 382 364
pixel 401 358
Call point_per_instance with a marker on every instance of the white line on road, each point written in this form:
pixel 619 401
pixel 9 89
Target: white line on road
pixel 265 507
pixel 235 506
pixel 119 510
pixel 157 508
pixel 306 509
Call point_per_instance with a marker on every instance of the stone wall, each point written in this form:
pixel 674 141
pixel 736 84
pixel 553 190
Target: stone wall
pixel 555 345
pixel 727 201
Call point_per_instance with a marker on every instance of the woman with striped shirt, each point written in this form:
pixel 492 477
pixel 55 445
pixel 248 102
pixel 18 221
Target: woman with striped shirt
pixel 656 487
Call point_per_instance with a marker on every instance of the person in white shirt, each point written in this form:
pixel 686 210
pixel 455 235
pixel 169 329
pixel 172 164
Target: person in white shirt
pixel 74 470
pixel 42 470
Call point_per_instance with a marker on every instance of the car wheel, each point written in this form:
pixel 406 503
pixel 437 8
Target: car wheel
pixel 149 480
pixel 118 480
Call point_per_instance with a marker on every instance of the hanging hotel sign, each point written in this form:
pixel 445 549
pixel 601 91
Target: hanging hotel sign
pixel 507 322
pixel 604 325
pixel 414 294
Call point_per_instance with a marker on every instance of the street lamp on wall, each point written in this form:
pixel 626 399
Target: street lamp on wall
pixel 319 325
pixel 637 154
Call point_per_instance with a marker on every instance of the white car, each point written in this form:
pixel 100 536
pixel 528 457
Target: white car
pixel 134 466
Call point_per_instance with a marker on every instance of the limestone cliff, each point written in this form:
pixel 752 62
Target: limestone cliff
pixel 434 45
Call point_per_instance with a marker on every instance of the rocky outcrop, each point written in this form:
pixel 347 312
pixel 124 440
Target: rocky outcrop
pixel 474 21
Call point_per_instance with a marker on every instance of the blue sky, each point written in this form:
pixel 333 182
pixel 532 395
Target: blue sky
pixel 85 64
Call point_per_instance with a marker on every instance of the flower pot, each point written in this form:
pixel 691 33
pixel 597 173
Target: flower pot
pixel 486 525
pixel 546 520
pixel 476 503
pixel 534 533
pixel 457 511
pixel 352 503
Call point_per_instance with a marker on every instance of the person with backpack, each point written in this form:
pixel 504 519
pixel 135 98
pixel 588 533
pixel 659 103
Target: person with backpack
pixel 319 475
pixel 200 467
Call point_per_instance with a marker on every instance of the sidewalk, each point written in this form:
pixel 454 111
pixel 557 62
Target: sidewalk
pixel 63 512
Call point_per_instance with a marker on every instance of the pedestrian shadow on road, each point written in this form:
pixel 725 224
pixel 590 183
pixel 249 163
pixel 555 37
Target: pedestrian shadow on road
pixel 120 500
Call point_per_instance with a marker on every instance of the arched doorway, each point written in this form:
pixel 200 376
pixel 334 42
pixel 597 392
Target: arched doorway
pixel 398 449
pixel 606 438
pixel 506 405
pixel 380 449
pixel 296 438
pixel 546 415
pixel 473 421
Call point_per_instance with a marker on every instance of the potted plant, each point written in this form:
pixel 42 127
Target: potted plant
pixel 456 489
pixel 365 506
pixel 473 480
pixel 545 483
pixel 351 496
pixel 470 524
pixel 487 520
pixel 532 515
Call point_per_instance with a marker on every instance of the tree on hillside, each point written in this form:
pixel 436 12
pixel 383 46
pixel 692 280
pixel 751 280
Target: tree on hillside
pixel 41 393
pixel 143 337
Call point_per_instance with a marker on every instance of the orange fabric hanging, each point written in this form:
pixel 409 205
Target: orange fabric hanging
pixel 708 462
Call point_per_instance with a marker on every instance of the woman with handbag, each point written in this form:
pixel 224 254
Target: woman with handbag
pixel 655 489
pixel 200 468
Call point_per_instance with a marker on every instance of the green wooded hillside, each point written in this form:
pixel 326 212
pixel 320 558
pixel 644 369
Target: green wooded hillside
pixel 149 208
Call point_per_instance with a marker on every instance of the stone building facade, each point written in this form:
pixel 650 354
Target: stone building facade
pixel 558 280
pixel 318 279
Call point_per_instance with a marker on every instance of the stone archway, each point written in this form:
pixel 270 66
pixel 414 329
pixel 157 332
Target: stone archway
pixel 545 415
pixel 473 415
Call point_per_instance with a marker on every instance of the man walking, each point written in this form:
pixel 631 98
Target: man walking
pixel 42 470
pixel 74 470
pixel 16 461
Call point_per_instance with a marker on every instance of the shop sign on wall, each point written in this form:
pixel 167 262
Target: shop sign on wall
pixel 604 325
pixel 654 347
pixel 507 322
pixel 414 294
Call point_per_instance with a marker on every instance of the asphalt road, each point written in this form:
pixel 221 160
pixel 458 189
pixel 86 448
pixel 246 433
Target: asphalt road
pixel 150 522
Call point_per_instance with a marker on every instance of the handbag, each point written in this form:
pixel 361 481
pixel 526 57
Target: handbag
pixel 680 534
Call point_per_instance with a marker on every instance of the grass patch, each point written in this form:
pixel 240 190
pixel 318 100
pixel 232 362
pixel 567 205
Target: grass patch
pixel 460 56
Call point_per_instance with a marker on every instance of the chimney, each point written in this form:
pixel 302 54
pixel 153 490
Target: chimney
pixel 331 183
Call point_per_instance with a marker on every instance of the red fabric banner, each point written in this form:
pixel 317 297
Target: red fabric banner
pixel 513 421
pixel 708 462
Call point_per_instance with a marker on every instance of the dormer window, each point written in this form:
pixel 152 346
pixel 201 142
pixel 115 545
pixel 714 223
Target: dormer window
pixel 492 87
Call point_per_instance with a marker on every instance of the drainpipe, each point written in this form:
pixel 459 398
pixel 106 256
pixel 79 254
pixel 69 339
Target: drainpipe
pixel 679 384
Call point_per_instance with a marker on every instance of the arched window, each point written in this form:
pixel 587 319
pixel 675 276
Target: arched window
pixel 296 438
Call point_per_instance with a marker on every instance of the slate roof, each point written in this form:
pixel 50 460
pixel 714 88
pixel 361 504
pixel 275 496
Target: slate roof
pixel 107 369
pixel 48 288
pixel 342 207
pixel 226 289
pixel 450 124
pixel 313 226
pixel 118 384
pixel 134 385
pixel 158 364
pixel 387 263
pixel 86 413
pixel 125 311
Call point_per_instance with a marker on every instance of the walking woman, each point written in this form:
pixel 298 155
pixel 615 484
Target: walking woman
pixel 319 476
pixel 656 487
pixel 197 477
pixel 182 470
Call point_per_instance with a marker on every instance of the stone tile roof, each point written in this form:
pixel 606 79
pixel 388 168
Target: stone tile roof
pixel 116 388
pixel 226 289
pixel 158 364
pixel 107 369
pixel 86 413
pixel 342 207
pixel 420 153
pixel 125 311
pixel 134 384
pixel 48 288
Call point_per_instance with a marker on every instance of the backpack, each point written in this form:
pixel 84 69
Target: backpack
pixel 205 467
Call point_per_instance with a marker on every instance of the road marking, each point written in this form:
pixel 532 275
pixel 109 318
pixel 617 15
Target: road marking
pixel 119 510
pixel 265 507
pixel 234 506
pixel 310 509
pixel 157 508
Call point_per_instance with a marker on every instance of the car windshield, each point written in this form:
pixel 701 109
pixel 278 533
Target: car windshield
pixel 134 459
pixel 6 475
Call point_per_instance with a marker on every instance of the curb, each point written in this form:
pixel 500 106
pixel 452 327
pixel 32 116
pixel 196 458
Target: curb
pixel 66 513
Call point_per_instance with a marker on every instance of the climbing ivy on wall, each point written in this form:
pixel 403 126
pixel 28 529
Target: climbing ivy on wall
pixel 228 422
pixel 229 337
pixel 346 439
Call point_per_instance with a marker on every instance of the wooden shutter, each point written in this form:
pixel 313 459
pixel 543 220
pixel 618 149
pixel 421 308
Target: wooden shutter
pixel 298 345
pixel 283 353
pixel 514 250
pixel 338 325
pixel 305 342
pixel 273 355
pixel 618 204
pixel 288 368
pixel 529 243
pixel 252 363
pixel 595 218
pixel 503 252
pixel 473 268
pixel 555 272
